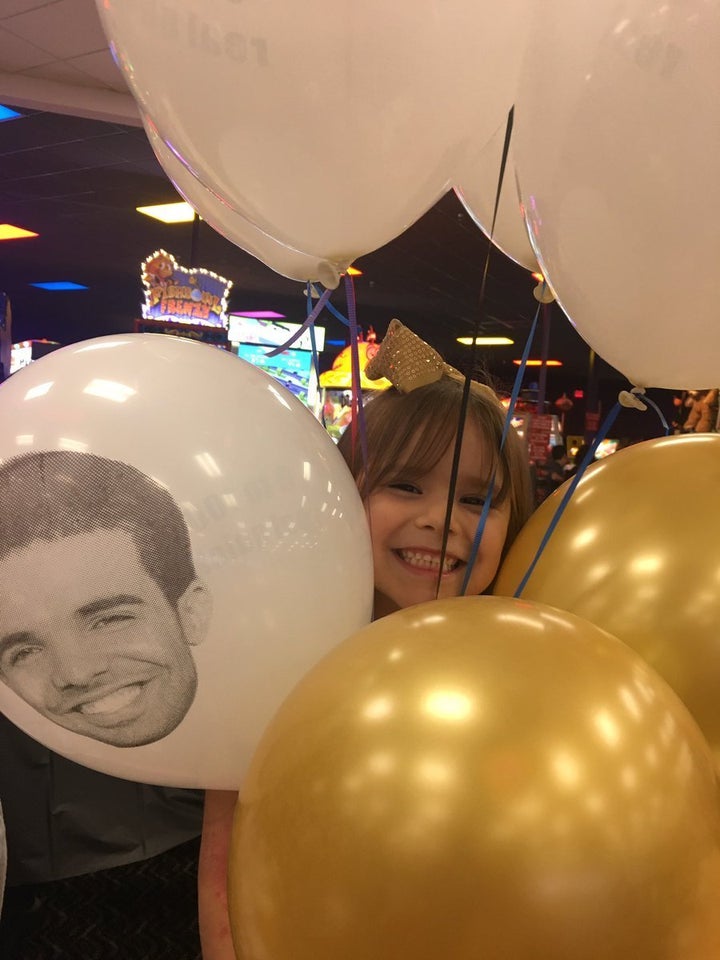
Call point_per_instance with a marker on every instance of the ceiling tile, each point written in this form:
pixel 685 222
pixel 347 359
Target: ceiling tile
pixel 49 28
pixel 101 67
pixel 61 71
pixel 11 8
pixel 17 54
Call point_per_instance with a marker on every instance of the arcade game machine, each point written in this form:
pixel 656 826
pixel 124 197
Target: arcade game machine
pixel 25 351
pixel 252 338
pixel 336 385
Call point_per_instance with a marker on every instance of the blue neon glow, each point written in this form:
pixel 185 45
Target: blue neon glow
pixel 59 285
pixel 7 113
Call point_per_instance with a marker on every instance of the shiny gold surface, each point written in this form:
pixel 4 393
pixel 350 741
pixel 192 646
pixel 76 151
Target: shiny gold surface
pixel 479 778
pixel 637 552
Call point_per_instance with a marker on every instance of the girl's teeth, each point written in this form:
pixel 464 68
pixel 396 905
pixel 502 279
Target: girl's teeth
pixel 427 561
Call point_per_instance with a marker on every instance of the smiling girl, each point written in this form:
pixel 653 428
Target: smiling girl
pixel 411 432
pixel 411 439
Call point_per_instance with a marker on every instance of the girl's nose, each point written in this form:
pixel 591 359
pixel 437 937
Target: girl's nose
pixel 433 511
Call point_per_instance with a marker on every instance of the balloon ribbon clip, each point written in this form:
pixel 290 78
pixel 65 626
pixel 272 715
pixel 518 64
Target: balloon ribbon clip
pixel 631 398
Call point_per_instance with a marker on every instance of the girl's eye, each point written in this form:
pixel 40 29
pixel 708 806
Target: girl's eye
pixel 404 487
pixel 478 501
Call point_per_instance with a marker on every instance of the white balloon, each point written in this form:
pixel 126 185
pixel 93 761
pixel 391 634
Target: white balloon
pixel 477 189
pixel 231 224
pixel 102 635
pixel 617 148
pixel 331 126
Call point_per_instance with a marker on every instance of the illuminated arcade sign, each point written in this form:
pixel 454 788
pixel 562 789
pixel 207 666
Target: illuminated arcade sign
pixel 183 294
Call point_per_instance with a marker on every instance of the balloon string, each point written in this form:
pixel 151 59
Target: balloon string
pixel 471 362
pixel 331 309
pixel 319 307
pixel 313 345
pixel 586 461
pixel 659 412
pixel 506 428
pixel 519 376
pixel 503 164
pixel 357 424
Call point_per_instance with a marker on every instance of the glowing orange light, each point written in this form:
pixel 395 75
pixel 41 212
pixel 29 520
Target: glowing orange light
pixel 486 341
pixel 10 232
pixel 354 272
pixel 539 363
pixel 179 212
pixel 537 276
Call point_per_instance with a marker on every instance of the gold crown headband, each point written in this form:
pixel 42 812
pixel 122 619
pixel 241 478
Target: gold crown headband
pixel 408 363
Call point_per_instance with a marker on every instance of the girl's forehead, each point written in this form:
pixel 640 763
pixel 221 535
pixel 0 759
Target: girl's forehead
pixel 475 439
pixel 424 454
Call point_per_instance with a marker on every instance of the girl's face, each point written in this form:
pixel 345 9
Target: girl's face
pixel 407 519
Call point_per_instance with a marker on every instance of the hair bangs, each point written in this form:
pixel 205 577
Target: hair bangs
pixel 419 449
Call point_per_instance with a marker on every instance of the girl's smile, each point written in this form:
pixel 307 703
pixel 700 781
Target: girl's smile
pixel 424 561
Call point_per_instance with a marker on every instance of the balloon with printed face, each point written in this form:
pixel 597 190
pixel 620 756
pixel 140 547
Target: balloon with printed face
pixel 637 552
pixel 617 159
pixel 330 126
pixel 478 777
pixel 236 228
pixel 179 542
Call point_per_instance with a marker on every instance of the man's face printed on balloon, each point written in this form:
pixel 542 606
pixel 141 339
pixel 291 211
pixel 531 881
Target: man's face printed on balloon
pixel 92 641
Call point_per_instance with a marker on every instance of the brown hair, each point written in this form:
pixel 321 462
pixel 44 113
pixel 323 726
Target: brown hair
pixel 418 427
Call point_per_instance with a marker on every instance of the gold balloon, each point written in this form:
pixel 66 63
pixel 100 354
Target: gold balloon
pixel 479 778
pixel 637 552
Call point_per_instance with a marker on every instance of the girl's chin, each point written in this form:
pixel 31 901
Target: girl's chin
pixel 385 605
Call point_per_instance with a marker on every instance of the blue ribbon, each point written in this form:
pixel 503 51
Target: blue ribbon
pixel 658 411
pixel 312 317
pixel 313 344
pixel 586 461
pixel 507 426
pixel 333 310
pixel 356 376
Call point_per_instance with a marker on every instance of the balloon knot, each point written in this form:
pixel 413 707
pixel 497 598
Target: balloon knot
pixel 543 293
pixel 631 398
